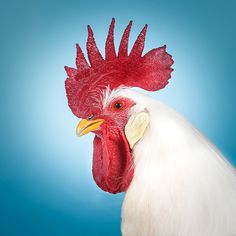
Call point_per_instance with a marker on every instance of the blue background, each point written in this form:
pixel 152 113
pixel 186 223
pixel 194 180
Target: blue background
pixel 45 170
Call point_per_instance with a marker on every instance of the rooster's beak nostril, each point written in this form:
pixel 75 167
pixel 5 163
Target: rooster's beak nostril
pixel 86 126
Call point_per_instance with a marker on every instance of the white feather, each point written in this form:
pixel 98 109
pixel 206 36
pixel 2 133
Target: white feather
pixel 182 185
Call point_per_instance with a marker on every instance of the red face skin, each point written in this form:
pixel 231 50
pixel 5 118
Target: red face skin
pixel 112 161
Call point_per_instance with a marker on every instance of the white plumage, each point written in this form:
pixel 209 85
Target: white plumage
pixel 182 185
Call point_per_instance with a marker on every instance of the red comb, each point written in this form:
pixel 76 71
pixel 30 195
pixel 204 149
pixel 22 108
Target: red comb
pixel 84 84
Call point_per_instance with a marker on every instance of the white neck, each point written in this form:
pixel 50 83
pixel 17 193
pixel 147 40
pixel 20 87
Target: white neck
pixel 182 185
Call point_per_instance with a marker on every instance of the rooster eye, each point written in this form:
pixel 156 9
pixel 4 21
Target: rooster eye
pixel 118 105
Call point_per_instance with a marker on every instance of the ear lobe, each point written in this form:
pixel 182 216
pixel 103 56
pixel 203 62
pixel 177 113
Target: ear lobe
pixel 136 127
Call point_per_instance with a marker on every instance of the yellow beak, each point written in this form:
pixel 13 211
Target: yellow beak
pixel 86 126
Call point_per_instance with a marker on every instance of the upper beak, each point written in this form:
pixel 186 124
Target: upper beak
pixel 86 126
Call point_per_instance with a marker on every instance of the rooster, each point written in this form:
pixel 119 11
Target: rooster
pixel 175 181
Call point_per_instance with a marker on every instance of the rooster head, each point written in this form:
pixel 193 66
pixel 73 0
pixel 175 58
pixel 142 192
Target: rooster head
pixel 89 90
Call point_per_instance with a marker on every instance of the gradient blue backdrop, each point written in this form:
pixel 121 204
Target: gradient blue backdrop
pixel 45 170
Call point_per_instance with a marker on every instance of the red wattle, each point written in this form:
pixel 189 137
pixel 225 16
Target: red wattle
pixel 112 161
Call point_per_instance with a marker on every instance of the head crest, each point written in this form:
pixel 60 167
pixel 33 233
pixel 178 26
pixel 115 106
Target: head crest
pixel 85 84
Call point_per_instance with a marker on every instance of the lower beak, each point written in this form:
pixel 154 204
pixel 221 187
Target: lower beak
pixel 86 126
